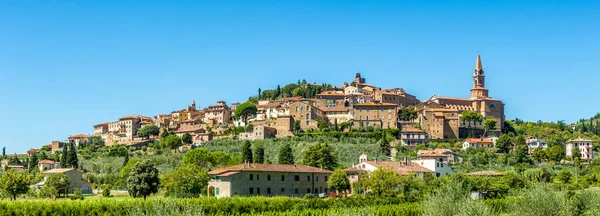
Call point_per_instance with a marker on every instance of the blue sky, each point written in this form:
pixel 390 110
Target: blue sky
pixel 67 65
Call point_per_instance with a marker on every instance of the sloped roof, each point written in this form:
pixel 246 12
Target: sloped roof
pixel 478 140
pixel 46 162
pixel 435 153
pixel 61 170
pixel 400 167
pixel 269 168
pixel 486 173
pixel 79 136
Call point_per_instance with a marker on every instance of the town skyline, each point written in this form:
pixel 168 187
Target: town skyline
pixel 65 76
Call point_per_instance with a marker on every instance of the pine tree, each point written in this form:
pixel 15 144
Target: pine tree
pixel 259 152
pixel 63 157
pixel 247 152
pixel 335 125
pixel 72 161
pixel 126 159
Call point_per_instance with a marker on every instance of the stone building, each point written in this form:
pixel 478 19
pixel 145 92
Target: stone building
pixel 307 113
pixel 219 113
pixel 78 139
pixel 268 180
pixel 258 133
pixel 75 177
pixel 584 146
pixel 330 99
pixel 534 142
pixel 381 115
pixel 395 96
pixel 412 137
pixel 440 116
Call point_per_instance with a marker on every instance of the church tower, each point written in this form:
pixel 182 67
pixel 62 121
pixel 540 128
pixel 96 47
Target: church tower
pixel 479 90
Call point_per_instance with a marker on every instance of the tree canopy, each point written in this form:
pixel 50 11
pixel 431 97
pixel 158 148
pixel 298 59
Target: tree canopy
pixel 143 179
pixel 200 157
pixel 58 182
pixel 247 152
pixel 339 181
pixel 148 131
pixel 286 155
pixel 320 155
pixel 245 111
pixel 14 184
pixel 187 180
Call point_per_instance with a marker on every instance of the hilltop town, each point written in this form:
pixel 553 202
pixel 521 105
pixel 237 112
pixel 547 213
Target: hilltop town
pixel 315 141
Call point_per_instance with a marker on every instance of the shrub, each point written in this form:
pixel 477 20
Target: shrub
pixel 77 195
pixel 106 191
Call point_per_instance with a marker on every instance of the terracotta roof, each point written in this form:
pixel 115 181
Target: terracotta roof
pixel 412 130
pixel 486 173
pixel 376 104
pixel 105 123
pixel 269 168
pixel 79 136
pixel 33 150
pixel 479 140
pixel 57 171
pixel 49 145
pixel 331 93
pixel 129 117
pixel 334 109
pixel 353 169
pixel 400 167
pixel 269 105
pixel 46 162
pixel 434 153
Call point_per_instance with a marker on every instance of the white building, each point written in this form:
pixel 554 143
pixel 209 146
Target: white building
pixel 585 148
pixel 533 143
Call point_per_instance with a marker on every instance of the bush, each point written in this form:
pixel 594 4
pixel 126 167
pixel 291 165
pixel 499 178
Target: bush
pixel 77 195
pixel 106 191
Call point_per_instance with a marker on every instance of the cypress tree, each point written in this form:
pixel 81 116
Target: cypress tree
pixel 126 159
pixel 247 152
pixel 63 157
pixel 72 161
pixel 33 162
pixel 260 154
pixel 286 156
pixel 3 152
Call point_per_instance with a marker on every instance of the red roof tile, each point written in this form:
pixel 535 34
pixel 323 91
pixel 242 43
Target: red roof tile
pixel 269 168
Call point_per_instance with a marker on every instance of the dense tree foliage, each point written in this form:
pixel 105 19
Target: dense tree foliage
pixel 148 131
pixel 187 139
pixel 320 155
pixel 286 155
pixel 143 179
pixel 59 182
pixel 188 180
pixel 245 111
pixel 247 152
pixel 170 142
pixel 200 157
pixel 14 184
pixel 339 181
pixel 259 153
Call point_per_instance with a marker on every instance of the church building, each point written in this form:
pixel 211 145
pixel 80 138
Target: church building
pixel 440 116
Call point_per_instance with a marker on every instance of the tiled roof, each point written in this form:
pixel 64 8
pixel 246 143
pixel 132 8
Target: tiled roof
pixel 400 167
pixel 376 104
pixel 79 136
pixel 434 153
pixel 33 150
pixel 101 124
pixel 478 140
pixel 269 168
pixel 412 130
pixel 331 93
pixel 129 117
pixel 486 173
pixel 57 171
pixel 335 109
pixel 353 169
pixel 46 162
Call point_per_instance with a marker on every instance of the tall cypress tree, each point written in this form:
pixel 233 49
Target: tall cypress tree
pixel 126 159
pixel 33 162
pixel 72 160
pixel 260 154
pixel 247 152
pixel 3 152
pixel 63 157
pixel 286 156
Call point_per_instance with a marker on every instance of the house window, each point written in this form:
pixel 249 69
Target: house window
pixel 307 190
pixel 282 178
pixel 296 190
pixel 268 190
pixel 308 178
pixel 282 190
pixel 317 178
pixel 251 177
pixel 268 177
pixel 257 190
pixel 257 177
pixel 217 191
pixel 251 191
pixel 325 178
pixel 296 178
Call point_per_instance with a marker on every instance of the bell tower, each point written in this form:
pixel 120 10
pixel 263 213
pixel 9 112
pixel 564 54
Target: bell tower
pixel 479 89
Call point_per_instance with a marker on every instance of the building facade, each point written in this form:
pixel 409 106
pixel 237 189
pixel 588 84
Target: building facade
pixel 258 133
pixel 533 143
pixel 381 115
pixel 583 146
pixel 412 137
pixel 218 114
pixel 268 180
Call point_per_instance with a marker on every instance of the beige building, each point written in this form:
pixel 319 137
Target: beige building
pixel 381 115
pixel 338 114
pixel 440 116
pixel 584 146
pixel 78 139
pixel 478 143
pixel 307 114
pixel 75 177
pixel 268 180
pixel 218 114
pixel 58 146
pixel 534 142
pixel 395 96
pixel 330 99
pixel 47 165
pixel 258 133
pixel 444 155
pixel 412 137
pixel 124 130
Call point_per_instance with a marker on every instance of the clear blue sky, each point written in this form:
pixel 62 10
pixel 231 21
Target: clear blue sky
pixel 67 65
